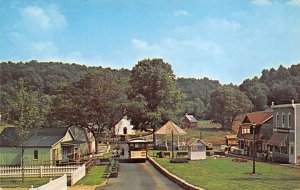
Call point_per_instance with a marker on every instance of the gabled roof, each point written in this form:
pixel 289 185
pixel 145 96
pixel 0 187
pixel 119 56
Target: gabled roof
pixel 191 118
pixel 170 127
pixel 38 137
pixel 124 122
pixel 194 140
pixel 257 117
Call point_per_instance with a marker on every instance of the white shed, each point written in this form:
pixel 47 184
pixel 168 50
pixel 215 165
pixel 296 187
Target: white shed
pixel 196 149
pixel 124 127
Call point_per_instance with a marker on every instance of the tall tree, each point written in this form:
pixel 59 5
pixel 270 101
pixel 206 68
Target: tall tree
pixel 226 103
pixel 26 112
pixel 94 103
pixel 153 85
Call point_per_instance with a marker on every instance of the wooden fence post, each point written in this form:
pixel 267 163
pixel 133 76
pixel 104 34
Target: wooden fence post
pixel 41 171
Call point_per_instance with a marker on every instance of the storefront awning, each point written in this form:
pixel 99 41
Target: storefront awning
pixel 277 138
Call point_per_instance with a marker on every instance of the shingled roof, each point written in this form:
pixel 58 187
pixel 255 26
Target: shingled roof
pixel 168 128
pixel 257 117
pixel 191 118
pixel 39 137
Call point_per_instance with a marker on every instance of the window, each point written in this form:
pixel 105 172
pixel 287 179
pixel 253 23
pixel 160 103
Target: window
pixel 125 131
pixel 283 120
pixel 292 150
pixel 290 120
pixel 277 120
pixel 35 154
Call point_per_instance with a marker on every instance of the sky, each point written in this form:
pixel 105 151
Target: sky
pixel 225 40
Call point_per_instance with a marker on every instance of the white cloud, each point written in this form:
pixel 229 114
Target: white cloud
pixel 262 2
pixel 140 44
pixel 179 13
pixel 224 24
pixel 42 19
pixel 294 2
pixel 43 49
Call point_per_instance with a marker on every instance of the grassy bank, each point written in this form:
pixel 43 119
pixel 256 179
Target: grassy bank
pixel 223 173
pixel 94 176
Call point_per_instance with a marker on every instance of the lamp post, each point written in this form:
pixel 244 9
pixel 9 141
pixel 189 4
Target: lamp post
pixel 254 150
pixel 172 145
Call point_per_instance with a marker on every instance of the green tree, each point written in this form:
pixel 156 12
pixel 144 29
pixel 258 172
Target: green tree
pixel 26 112
pixel 154 87
pixel 94 103
pixel 196 108
pixel 226 103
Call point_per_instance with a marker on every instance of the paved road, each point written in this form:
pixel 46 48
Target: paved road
pixel 140 176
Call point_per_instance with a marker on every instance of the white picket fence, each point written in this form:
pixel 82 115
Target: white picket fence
pixel 57 184
pixel 77 175
pixel 38 171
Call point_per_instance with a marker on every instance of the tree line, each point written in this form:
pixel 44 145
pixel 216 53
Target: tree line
pixel 96 98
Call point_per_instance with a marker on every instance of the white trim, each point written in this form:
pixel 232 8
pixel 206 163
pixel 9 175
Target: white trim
pixel 284 105
pixel 295 134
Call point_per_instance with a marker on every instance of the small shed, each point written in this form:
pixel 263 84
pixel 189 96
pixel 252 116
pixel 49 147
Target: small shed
pixel 231 140
pixel 164 136
pixel 196 149
pixel 124 127
pixel 189 121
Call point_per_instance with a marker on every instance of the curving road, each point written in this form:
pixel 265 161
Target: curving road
pixel 140 176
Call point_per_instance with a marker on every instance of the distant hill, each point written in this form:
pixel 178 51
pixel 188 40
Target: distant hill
pixel 279 86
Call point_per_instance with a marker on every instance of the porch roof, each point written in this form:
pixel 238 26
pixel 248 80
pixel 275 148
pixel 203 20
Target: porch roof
pixel 278 138
pixel 71 143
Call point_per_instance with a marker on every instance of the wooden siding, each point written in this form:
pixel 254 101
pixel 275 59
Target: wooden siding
pixel 10 156
pixel 43 156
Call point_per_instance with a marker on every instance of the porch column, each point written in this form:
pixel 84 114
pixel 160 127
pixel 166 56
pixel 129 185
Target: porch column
pixel 73 152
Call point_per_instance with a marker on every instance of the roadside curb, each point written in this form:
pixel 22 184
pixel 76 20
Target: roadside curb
pixel 173 177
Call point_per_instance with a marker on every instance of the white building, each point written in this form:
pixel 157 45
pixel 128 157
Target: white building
pixel 124 127
pixel 285 141
pixel 196 149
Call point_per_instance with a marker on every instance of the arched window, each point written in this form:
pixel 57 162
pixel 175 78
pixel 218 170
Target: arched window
pixel 277 120
pixel 125 130
pixel 289 120
pixel 283 120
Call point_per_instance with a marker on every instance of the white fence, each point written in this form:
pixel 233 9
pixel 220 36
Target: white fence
pixel 38 171
pixel 77 174
pixel 59 183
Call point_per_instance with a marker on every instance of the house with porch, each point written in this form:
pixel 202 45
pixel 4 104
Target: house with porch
pixel 284 144
pixel 263 123
pixel 42 146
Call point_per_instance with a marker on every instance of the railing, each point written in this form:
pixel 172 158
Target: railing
pixel 38 171
pixel 77 174
pixel 59 183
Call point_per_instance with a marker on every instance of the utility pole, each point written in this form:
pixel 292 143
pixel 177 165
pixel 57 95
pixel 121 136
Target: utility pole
pixel 254 149
pixel 172 145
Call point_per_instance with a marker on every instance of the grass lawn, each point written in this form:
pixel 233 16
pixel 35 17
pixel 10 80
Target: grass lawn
pixel 17 182
pixel 94 176
pixel 223 173
pixel 211 132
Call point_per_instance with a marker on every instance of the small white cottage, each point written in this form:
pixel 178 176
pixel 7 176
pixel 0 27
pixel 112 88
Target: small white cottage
pixel 124 127
pixel 196 149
